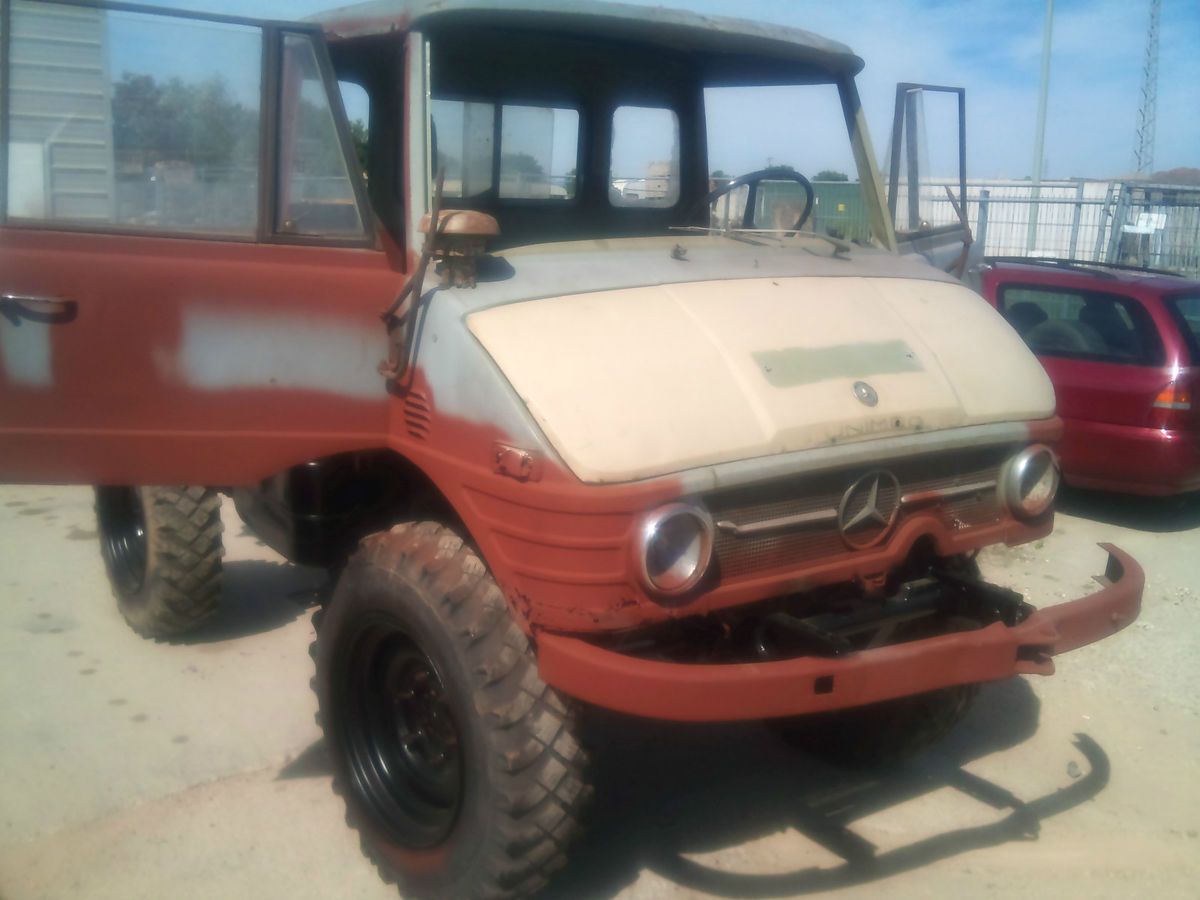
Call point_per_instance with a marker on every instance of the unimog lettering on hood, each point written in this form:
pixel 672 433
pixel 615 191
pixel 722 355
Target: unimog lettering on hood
pixel 571 422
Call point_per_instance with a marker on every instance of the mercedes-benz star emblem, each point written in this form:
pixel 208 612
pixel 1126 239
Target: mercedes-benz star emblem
pixel 865 393
pixel 868 509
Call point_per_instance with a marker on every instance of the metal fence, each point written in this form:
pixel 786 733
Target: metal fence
pixel 1109 221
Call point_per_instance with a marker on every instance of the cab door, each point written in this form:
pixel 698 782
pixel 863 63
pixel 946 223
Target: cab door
pixel 927 176
pixel 192 276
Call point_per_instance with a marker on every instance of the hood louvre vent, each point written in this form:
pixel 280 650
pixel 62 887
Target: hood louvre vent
pixel 417 415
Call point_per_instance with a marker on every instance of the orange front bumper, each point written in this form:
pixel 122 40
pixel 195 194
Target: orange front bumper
pixel 809 684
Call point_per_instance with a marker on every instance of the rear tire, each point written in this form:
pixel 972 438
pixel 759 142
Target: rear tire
pixel 881 734
pixel 162 549
pixel 459 767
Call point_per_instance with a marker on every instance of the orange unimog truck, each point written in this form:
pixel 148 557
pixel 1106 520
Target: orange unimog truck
pixel 605 434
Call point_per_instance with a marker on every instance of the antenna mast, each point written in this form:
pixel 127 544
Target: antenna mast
pixel 1143 153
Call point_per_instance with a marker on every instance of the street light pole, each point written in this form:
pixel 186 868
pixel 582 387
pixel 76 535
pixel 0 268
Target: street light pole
pixel 1040 138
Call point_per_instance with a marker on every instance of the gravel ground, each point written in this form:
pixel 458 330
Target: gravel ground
pixel 132 769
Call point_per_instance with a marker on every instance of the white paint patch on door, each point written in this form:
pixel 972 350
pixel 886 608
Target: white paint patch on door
pixel 223 351
pixel 25 353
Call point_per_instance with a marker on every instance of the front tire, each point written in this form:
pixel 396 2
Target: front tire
pixel 162 549
pixel 459 767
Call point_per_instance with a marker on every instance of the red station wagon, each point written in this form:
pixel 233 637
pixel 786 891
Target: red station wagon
pixel 1122 347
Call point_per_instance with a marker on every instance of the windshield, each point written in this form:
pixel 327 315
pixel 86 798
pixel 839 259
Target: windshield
pixel 796 130
pixel 622 139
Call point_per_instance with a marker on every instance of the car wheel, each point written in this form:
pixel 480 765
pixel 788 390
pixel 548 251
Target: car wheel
pixel 459 767
pixel 162 549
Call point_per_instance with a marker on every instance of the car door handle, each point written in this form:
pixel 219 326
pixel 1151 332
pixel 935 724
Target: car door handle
pixel 51 310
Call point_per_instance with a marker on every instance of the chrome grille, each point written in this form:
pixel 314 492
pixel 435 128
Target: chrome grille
pixel 738 555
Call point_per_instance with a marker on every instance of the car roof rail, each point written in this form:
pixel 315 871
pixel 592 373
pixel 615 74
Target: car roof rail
pixel 1091 266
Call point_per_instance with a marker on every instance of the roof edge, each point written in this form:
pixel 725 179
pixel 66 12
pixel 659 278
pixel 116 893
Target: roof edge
pixel 387 16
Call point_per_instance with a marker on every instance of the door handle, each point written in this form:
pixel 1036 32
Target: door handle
pixel 51 310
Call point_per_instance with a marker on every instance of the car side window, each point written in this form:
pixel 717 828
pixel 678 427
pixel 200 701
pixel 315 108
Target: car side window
pixel 109 128
pixel 316 194
pixel 1185 310
pixel 1082 324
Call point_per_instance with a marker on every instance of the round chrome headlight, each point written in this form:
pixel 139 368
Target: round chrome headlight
pixel 675 547
pixel 1031 480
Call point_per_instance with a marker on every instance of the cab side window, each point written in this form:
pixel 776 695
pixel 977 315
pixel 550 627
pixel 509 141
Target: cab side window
pixel 357 103
pixel 111 126
pixel 644 157
pixel 464 143
pixel 536 159
pixel 539 146
pixel 316 194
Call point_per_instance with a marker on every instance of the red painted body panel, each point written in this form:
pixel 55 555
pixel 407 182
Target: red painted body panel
pixel 1110 439
pixel 711 693
pixel 562 550
pixel 122 406
pixel 1131 459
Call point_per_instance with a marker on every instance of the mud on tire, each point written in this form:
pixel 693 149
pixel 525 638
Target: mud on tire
pixel 880 734
pixel 162 549
pixel 459 767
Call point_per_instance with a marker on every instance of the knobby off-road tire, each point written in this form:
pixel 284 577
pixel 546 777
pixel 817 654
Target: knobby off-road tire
pixel 881 734
pixel 162 549
pixel 459 767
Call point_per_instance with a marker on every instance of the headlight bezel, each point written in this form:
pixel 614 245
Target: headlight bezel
pixel 650 528
pixel 1013 478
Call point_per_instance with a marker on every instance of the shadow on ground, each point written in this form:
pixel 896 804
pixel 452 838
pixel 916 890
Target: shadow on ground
pixel 666 790
pixel 258 596
pixel 1157 514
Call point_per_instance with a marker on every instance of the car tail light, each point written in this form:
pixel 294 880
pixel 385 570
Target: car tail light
pixel 1172 407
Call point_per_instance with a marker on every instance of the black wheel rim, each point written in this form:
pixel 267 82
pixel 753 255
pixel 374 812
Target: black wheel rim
pixel 400 739
pixel 123 537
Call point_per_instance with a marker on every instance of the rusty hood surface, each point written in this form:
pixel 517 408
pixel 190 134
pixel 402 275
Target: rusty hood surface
pixel 637 382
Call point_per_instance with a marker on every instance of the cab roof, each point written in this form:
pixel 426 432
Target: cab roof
pixel 727 49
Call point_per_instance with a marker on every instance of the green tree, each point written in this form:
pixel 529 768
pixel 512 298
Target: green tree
pixel 830 175
pixel 176 121
pixel 358 134
pixel 520 164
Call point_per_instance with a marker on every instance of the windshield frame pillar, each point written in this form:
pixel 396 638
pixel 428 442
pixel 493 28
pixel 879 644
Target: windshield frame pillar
pixel 864 158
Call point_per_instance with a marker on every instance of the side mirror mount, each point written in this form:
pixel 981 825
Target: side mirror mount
pixel 459 240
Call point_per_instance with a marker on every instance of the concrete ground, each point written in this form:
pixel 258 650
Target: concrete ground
pixel 134 769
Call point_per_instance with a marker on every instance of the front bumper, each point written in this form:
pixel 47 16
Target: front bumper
pixel 809 684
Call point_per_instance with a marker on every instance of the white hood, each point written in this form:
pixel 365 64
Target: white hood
pixel 640 382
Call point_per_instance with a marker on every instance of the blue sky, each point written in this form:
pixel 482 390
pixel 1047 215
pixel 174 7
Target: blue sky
pixel 992 47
